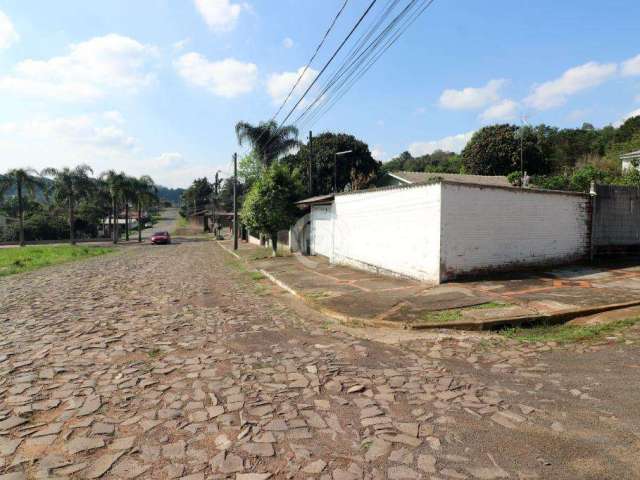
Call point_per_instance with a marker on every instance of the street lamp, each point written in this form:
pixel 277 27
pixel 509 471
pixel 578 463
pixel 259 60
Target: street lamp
pixel 335 168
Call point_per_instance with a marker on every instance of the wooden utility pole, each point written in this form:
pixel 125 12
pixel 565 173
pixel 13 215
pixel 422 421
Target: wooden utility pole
pixel 310 163
pixel 235 201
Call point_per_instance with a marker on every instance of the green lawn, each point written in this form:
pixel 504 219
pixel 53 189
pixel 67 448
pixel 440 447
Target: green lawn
pixel 17 260
pixel 564 333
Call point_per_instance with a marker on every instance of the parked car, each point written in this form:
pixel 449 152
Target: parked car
pixel 160 238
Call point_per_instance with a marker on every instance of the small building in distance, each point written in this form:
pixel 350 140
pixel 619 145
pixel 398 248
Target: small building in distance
pixel 630 160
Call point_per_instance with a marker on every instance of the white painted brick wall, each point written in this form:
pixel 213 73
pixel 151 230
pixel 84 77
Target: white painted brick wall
pixel 485 228
pixel 395 231
pixel 321 230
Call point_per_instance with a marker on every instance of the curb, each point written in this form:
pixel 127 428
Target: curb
pixel 556 317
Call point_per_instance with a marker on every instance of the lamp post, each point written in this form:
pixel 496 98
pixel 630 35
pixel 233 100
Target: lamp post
pixel 335 168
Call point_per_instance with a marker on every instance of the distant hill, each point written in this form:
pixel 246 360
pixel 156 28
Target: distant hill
pixel 170 194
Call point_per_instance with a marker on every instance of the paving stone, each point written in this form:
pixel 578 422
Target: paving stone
pixel 402 473
pixel 259 449
pixel 102 465
pixel 315 468
pixel 377 448
pixel 83 444
pixel 253 476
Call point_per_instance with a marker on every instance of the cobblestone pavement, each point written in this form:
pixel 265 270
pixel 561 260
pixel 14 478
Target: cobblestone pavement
pixel 170 362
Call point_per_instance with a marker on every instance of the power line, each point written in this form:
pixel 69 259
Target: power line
pixel 324 38
pixel 347 77
pixel 306 68
pixel 326 65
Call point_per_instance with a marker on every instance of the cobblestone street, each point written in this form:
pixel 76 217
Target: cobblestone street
pixel 171 362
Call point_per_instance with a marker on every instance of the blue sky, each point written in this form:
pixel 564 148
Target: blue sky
pixel 156 86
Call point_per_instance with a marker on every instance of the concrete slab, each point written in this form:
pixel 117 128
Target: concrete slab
pixel 362 296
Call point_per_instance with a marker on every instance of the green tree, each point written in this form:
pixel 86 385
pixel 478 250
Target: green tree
pixel 26 182
pixel 354 171
pixel 495 150
pixel 249 169
pixel 145 194
pixel 69 186
pixel 196 196
pixel 115 183
pixel 270 204
pixel 268 140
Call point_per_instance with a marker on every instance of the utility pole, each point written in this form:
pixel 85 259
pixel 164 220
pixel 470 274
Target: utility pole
pixel 310 163
pixel 235 201
pixel 215 206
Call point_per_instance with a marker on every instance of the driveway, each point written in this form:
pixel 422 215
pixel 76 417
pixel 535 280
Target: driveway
pixel 173 362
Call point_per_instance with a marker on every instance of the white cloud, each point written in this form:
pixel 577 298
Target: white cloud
pixel 279 84
pixel 181 44
pixel 94 139
pixel 220 15
pixel 287 42
pixel 453 143
pixel 378 153
pixel 575 80
pixel 113 116
pixel 171 160
pixel 8 34
pixel 502 111
pixel 472 98
pixel 227 78
pixel 90 70
pixel 634 113
pixel 631 67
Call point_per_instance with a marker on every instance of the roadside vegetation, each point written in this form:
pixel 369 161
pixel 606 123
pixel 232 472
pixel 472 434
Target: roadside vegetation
pixel 455 314
pixel 71 204
pixel 18 260
pixel 554 158
pixel 565 333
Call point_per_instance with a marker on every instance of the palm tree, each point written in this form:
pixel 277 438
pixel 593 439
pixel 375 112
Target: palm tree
pixel 146 194
pixel 128 195
pixel 70 186
pixel 23 179
pixel 115 184
pixel 268 140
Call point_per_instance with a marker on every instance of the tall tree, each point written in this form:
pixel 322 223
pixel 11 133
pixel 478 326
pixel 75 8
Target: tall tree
pixel 115 184
pixel 146 194
pixel 495 150
pixel 25 181
pixel 269 206
pixel 355 170
pixel 267 139
pixel 69 186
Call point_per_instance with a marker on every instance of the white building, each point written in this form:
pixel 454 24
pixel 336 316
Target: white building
pixel 630 160
pixel 446 229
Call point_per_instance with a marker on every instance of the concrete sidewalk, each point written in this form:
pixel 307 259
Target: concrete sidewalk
pixel 360 297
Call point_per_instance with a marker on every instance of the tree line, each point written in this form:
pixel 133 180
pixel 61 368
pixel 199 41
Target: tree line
pixel 555 158
pixel 69 203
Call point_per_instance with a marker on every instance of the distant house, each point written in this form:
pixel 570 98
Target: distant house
pixel 630 160
pixel 401 178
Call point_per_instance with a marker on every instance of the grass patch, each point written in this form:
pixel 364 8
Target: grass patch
pixel 565 333
pixel 22 259
pixel 156 352
pixel 257 276
pixel 262 253
pixel 455 314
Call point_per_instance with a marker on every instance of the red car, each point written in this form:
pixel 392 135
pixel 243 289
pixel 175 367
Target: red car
pixel 160 238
